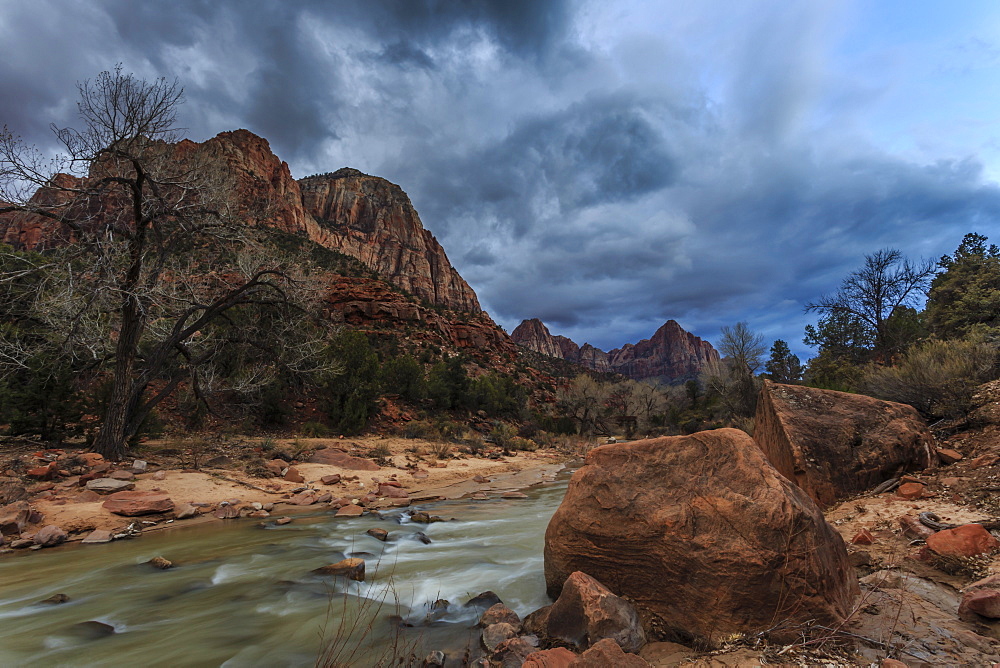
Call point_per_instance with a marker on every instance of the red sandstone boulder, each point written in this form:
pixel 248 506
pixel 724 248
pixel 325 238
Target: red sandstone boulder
pixel 835 444
pixel 910 490
pixel 968 540
pixel 50 535
pixel 984 602
pixel 500 613
pixel 131 504
pixel 701 533
pixel 14 517
pixel 350 510
pixel 607 653
pixel 559 657
pixel 392 492
pixel 586 612
pixel 293 475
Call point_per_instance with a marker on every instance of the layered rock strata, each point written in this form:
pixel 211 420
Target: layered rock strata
pixel 363 216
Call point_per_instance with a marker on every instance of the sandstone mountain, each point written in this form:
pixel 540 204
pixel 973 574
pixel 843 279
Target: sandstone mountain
pixel 363 216
pixel 671 355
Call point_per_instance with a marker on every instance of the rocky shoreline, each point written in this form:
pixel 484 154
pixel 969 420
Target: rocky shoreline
pixel 68 496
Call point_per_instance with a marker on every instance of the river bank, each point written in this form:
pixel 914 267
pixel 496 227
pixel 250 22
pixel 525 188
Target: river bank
pixel 325 473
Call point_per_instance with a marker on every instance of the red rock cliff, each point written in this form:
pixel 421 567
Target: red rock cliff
pixel 362 216
pixel 671 355
pixel 373 220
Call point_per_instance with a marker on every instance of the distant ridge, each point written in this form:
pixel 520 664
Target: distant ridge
pixel 672 355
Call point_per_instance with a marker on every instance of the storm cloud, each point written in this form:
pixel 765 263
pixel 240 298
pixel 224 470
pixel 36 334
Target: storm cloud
pixel 602 166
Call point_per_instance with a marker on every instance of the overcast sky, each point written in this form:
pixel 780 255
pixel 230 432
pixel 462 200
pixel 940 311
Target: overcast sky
pixel 603 166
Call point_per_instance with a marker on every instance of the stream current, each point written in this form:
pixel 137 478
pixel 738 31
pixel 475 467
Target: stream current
pixel 243 595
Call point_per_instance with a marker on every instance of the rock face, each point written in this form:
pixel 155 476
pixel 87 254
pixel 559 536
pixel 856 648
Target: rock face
pixel 671 355
pixel 373 220
pixel 702 535
pixel 363 216
pixel 834 444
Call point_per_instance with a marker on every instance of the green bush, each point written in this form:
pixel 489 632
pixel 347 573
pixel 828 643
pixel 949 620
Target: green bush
pixel 314 430
pixel 936 377
pixel 420 429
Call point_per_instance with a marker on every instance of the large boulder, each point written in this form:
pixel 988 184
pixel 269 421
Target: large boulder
pixel 834 444
pixel 703 535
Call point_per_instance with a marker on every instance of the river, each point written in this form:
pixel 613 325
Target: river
pixel 243 595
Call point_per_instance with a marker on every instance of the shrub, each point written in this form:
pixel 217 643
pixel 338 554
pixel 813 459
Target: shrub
pixel 936 377
pixel 381 454
pixel 419 429
pixel 314 430
pixel 502 435
pixel 441 450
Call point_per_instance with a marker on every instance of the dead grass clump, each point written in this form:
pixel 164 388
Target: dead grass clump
pixel 976 568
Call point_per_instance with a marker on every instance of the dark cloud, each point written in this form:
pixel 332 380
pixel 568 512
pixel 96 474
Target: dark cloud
pixel 602 166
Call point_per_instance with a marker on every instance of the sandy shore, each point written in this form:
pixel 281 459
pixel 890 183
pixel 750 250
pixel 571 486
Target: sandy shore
pixel 421 474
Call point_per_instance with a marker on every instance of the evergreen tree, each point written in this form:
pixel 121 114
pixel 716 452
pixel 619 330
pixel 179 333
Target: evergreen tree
pixel 783 366
pixel 965 297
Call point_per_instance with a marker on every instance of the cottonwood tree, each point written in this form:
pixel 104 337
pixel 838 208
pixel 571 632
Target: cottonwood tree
pixel 156 281
pixel 733 379
pixel 871 296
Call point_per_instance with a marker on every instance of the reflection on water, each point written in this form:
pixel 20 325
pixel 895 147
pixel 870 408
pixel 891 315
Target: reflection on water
pixel 242 595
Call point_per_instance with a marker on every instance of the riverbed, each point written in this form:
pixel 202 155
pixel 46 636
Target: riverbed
pixel 242 594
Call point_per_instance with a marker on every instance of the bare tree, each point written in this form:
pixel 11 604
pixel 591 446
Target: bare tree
pixel 156 267
pixel 744 346
pixel 886 284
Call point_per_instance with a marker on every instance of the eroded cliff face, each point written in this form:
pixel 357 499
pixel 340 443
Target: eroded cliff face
pixel 670 355
pixel 373 220
pixel 363 216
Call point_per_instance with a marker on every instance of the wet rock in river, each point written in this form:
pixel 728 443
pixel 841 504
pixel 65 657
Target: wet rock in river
pixel 55 599
pixel 281 521
pixel 160 563
pixel 425 518
pixel 92 630
pixel 185 511
pixel 435 659
pixel 348 568
pixel 226 511
pixel 483 601
pixel 380 534
pixel 422 537
pixel 350 510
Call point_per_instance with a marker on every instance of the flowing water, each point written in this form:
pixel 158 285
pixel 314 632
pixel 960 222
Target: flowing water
pixel 244 595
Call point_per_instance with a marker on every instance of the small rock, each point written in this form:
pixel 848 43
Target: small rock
pixel 122 475
pixel 560 657
pixel 480 496
pixel 513 495
pixel 350 510
pixel 498 613
pixel 185 511
pixel 494 634
pixel 161 563
pixel 422 537
pixel 435 659
pixel 225 511
pixel 109 485
pixel 863 537
pixel 587 611
pixel 984 602
pixel 425 518
pixel 480 479
pixel 55 599
pixel 93 630
pixel 483 601
pixel 97 536
pixel 293 475
pixel 268 507
pixel 392 492
pixel 281 521
pixel 348 568
pixel 303 499
pixel 324 498
pixel 330 479
pixel 968 540
pixel 380 534
pixel 21 543
pixel 949 456
pixel 276 466
pixel 49 536
pixel 159 475
pixel 87 496
pixel 259 514
pixel 606 652
pixel 513 652
pixel 910 490
pixel 913 527
pixel 139 466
